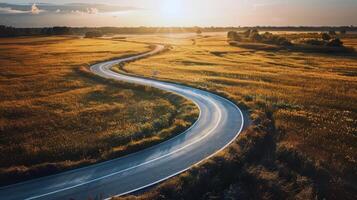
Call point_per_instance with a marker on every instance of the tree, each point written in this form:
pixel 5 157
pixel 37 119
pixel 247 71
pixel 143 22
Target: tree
pixel 325 36
pixel 2 30
pixel 47 31
pixel 93 34
pixel 61 30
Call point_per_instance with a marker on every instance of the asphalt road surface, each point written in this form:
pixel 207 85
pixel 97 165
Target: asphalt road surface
pixel 219 123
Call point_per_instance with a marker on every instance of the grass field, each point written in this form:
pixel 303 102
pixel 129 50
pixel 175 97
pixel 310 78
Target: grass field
pixel 302 143
pixel 55 115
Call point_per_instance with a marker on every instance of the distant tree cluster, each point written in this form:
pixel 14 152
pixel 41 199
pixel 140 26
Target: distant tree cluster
pixel 252 35
pixel 93 34
pixel 331 40
pixel 255 36
pixel 327 39
pixel 276 39
pixel 6 31
pixel 56 31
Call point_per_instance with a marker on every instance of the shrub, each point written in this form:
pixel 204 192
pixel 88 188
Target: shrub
pixel 93 34
pixel 325 36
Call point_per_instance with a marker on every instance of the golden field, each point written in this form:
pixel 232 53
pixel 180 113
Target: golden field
pixel 301 143
pixel 55 115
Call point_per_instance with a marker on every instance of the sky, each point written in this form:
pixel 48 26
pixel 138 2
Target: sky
pixel 43 13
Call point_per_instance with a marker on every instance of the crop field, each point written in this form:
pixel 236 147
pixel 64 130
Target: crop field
pixel 302 140
pixel 56 115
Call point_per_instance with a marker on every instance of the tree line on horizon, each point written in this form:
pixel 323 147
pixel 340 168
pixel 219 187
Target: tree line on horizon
pixel 8 31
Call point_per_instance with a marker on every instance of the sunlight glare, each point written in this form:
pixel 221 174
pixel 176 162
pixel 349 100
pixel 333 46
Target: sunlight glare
pixel 171 9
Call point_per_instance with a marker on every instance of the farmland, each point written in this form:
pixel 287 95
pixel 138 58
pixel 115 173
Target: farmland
pixel 302 139
pixel 56 115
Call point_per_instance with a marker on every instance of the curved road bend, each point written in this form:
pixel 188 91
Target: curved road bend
pixel 220 122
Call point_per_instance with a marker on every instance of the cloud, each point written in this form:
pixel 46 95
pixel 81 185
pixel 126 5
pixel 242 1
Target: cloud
pixel 13 10
pixel 35 10
pixel 78 9
pixel 71 8
pixel 89 11
pixel 92 11
pixel 8 10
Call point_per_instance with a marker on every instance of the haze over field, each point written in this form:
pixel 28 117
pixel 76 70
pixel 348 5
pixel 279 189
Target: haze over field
pixel 26 13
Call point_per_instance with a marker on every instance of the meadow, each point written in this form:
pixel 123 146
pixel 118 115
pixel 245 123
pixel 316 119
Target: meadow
pixel 301 142
pixel 56 115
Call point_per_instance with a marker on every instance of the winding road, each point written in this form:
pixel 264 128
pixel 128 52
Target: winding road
pixel 219 123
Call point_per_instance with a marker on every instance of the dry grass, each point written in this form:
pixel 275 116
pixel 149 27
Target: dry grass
pixel 55 115
pixel 308 99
